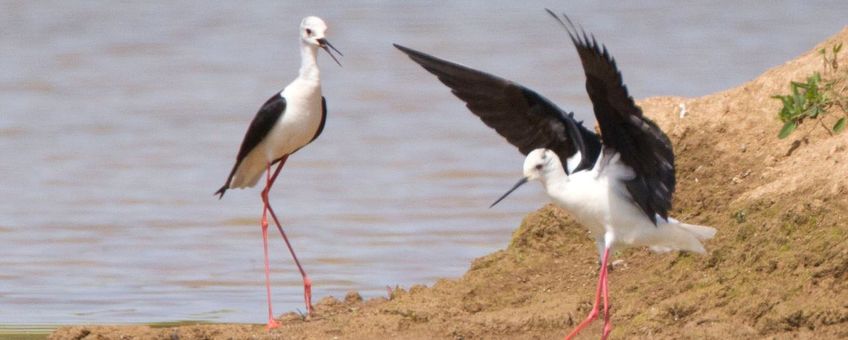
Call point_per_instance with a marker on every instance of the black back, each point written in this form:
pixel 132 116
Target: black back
pixel 639 141
pixel 262 123
pixel 522 116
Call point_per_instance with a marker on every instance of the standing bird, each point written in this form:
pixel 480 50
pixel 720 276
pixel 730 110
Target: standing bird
pixel 286 122
pixel 619 184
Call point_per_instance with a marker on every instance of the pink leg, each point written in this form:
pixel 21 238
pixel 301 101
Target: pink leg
pixel 607 320
pixel 602 275
pixel 307 282
pixel 271 322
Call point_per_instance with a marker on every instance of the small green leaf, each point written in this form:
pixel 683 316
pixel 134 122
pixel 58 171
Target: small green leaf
pixel 840 125
pixel 800 103
pixel 812 112
pixel 787 101
pixel 788 112
pixel 811 94
pixel 837 48
pixel 787 129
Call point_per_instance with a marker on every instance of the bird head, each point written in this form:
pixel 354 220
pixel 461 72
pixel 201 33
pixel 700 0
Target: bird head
pixel 538 164
pixel 312 33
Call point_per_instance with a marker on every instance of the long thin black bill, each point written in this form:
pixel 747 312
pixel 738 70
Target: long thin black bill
pixel 326 45
pixel 520 183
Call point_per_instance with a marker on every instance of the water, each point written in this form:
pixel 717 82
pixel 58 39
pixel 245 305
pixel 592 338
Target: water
pixel 119 121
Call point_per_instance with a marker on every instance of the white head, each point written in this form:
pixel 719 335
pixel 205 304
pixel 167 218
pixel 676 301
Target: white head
pixel 312 29
pixel 538 165
pixel 312 33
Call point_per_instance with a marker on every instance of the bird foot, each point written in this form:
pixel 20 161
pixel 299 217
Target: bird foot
pixel 591 317
pixel 607 330
pixel 272 324
pixel 307 294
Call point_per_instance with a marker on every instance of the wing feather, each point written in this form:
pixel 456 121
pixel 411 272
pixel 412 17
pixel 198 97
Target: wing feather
pixel 522 116
pixel 262 123
pixel 641 143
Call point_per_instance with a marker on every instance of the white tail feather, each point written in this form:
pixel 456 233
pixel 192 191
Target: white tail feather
pixel 679 236
pixel 702 233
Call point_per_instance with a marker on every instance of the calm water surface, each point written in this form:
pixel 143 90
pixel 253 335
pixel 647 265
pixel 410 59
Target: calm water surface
pixel 119 121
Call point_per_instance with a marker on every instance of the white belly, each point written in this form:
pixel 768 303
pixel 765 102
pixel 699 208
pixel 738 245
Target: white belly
pixel 603 205
pixel 296 127
pixel 587 199
pixel 601 202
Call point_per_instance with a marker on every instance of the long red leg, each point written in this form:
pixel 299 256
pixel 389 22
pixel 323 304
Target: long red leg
pixel 307 282
pixel 607 320
pixel 271 322
pixel 602 275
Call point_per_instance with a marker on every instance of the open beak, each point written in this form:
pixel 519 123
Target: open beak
pixel 520 183
pixel 326 45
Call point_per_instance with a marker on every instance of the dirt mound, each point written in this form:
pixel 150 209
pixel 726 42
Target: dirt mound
pixel 778 266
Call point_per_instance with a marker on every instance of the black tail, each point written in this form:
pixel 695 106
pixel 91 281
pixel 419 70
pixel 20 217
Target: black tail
pixel 221 191
pixel 226 186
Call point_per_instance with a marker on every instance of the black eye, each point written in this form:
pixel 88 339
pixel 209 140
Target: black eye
pixel 308 31
pixel 538 166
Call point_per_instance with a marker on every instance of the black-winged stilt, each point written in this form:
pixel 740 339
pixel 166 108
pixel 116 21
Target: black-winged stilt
pixel 619 184
pixel 287 122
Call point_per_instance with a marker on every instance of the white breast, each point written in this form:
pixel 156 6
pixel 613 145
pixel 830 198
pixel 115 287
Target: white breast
pixel 585 197
pixel 295 128
pixel 299 122
pixel 599 201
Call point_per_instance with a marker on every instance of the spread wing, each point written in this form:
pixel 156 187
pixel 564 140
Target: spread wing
pixel 639 141
pixel 522 116
pixel 262 123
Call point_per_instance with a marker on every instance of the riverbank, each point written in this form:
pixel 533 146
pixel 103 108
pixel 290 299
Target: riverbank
pixel 778 267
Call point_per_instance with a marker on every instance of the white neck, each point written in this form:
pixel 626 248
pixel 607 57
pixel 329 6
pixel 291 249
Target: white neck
pixel 554 179
pixel 309 62
pixel 556 184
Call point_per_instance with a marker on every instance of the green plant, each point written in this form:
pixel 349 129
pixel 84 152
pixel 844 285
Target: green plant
pixel 805 101
pixel 830 61
pixel 816 97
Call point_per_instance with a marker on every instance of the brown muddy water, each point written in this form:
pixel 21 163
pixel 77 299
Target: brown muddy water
pixel 119 120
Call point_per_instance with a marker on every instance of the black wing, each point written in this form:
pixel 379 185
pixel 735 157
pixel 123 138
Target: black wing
pixel 323 119
pixel 639 141
pixel 262 123
pixel 522 116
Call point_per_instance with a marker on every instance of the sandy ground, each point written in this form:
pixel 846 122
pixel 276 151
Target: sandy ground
pixel 778 267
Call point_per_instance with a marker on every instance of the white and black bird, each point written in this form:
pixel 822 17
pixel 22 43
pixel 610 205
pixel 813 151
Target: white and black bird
pixel 618 184
pixel 288 121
